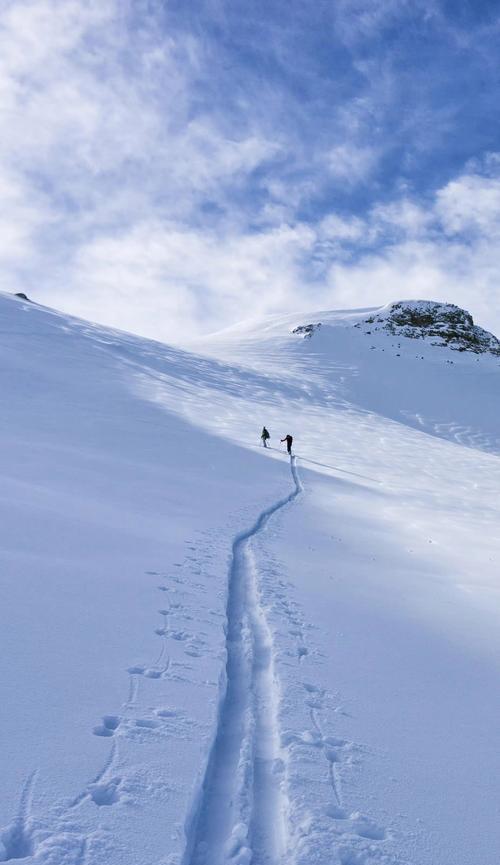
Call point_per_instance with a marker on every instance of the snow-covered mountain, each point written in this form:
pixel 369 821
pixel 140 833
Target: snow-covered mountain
pixel 212 654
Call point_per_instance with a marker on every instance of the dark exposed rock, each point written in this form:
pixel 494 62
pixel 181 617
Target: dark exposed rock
pixel 444 323
pixel 306 330
pixel 22 296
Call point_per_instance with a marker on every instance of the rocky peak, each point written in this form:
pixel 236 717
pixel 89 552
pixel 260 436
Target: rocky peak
pixel 444 323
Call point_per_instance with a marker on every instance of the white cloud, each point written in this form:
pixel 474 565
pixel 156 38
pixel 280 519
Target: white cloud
pixel 424 270
pixel 350 163
pixel 20 216
pixel 470 203
pixel 447 250
pixel 334 227
pixel 171 283
pixel 105 136
pixel 359 20
pixel 93 109
pixel 132 194
pixel 401 218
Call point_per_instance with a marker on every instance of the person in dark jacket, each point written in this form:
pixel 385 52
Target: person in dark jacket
pixel 288 439
pixel 265 436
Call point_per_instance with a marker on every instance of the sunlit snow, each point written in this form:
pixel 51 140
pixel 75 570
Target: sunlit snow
pixel 212 654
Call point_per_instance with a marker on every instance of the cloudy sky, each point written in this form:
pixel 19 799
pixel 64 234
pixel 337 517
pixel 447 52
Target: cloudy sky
pixel 172 166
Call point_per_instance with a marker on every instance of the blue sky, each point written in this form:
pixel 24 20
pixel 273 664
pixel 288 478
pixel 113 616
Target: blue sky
pixel 171 167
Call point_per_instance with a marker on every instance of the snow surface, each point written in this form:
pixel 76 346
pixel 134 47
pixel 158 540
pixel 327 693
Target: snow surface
pixel 212 654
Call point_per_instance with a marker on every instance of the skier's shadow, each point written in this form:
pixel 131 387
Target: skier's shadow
pixel 322 465
pixel 338 469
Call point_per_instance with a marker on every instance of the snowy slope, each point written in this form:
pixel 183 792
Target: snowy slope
pixel 212 655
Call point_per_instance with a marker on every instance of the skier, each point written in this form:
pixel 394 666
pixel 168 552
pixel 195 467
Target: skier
pixel 288 439
pixel 265 436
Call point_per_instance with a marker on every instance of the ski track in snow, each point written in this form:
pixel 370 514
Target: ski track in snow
pixel 16 841
pixel 240 813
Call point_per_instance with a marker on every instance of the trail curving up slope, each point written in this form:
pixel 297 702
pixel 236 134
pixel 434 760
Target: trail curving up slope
pixel 240 813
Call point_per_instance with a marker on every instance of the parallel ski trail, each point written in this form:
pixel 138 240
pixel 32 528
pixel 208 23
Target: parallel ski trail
pixel 267 828
pixel 240 815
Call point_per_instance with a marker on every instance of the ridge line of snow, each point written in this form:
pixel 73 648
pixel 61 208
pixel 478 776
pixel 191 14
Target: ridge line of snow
pixel 239 811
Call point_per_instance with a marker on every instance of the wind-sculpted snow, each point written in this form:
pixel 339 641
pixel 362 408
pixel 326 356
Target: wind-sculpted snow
pixel 318 689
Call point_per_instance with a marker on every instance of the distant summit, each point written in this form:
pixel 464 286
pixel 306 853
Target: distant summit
pixel 441 324
pixel 339 332
pixel 444 323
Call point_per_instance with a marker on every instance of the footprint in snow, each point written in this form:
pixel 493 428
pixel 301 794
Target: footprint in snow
pixel 193 652
pixel 167 713
pixel 105 793
pixel 152 673
pixel 148 672
pixel 366 828
pixel 110 724
pixel 313 689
